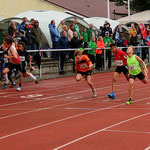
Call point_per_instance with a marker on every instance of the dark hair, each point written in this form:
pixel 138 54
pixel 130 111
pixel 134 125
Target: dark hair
pixel 113 45
pixel 52 21
pixel 8 39
pixel 22 43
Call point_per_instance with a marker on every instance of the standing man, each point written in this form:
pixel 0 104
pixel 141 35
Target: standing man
pixel 63 44
pixel 54 37
pixel 91 32
pixel 121 61
pixel 76 27
pixel 108 41
pixel 22 24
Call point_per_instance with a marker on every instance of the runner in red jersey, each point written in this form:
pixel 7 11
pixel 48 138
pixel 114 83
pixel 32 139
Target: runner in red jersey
pixel 15 62
pixel 121 61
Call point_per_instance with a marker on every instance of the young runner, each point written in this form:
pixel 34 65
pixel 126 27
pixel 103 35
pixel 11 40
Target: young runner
pixel 14 60
pixel 6 61
pixel 83 67
pixel 135 71
pixel 24 57
pixel 121 61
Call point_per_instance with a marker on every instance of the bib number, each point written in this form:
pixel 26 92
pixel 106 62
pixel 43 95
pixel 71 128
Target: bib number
pixel 22 58
pixel 5 60
pixel 119 63
pixel 83 66
pixel 133 67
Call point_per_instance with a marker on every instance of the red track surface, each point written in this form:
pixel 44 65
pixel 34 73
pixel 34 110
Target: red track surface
pixel 61 114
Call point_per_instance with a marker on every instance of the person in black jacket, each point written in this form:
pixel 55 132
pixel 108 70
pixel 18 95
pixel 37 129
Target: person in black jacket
pixel 134 40
pixel 63 44
pixel 75 43
pixel 12 28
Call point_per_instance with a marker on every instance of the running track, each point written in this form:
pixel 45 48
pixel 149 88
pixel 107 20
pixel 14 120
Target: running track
pixel 61 114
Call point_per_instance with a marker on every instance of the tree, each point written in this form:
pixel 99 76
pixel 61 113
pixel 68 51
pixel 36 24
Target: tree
pixel 136 5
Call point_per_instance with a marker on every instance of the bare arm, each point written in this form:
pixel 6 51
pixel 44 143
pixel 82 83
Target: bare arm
pixel 14 55
pixel 143 63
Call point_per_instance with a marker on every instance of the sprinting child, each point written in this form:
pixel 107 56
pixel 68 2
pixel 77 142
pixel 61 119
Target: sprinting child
pixel 15 62
pixel 83 67
pixel 121 61
pixel 135 71
pixel 24 57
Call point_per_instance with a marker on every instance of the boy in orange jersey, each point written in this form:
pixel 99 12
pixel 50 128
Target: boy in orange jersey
pixel 83 67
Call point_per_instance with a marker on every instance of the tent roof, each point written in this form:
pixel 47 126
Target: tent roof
pixel 99 21
pixel 141 17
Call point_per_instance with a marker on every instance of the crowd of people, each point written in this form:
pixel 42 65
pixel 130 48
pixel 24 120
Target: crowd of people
pixel 74 37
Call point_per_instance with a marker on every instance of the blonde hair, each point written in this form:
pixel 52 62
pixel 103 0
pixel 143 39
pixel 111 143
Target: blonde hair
pixel 78 52
pixel 133 48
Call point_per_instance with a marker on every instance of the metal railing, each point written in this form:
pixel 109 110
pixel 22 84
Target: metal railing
pixel 105 61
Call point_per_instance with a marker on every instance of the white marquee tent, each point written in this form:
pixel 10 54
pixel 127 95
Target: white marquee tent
pixel 44 18
pixel 141 17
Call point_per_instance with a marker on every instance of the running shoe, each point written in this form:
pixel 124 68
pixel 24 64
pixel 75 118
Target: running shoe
pixel 13 85
pixel 112 95
pixel 129 102
pixel 19 88
pixel 94 94
pixel 5 85
pixel 37 80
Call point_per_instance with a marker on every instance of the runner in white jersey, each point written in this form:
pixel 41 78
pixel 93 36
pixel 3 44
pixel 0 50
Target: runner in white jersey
pixel 14 62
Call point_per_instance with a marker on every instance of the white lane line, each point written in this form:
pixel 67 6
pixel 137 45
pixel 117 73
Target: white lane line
pixel 148 148
pixel 45 108
pixel 64 119
pixel 98 131
pixel 124 131
pixel 53 89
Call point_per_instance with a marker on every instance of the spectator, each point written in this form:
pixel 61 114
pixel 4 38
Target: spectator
pixel 116 34
pixel 36 35
pixel 91 53
pixel 31 23
pixel 63 44
pixel 119 40
pixel 132 30
pixel 75 43
pixel 2 35
pixel 28 36
pixel 99 53
pixel 61 27
pixel 108 41
pixel 107 28
pixel 54 37
pixel 76 28
pixel 12 28
pixel 120 28
pixel 85 37
pixel 70 32
pixel 148 33
pixel 91 32
pixel 54 34
pixel 140 42
pixel 65 28
pixel 21 26
pixel 133 40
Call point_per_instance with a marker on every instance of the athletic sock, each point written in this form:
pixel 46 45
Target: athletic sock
pixel 20 84
pixel 32 76
pixel 6 78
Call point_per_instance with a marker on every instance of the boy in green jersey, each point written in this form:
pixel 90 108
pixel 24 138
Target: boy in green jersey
pixel 135 70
